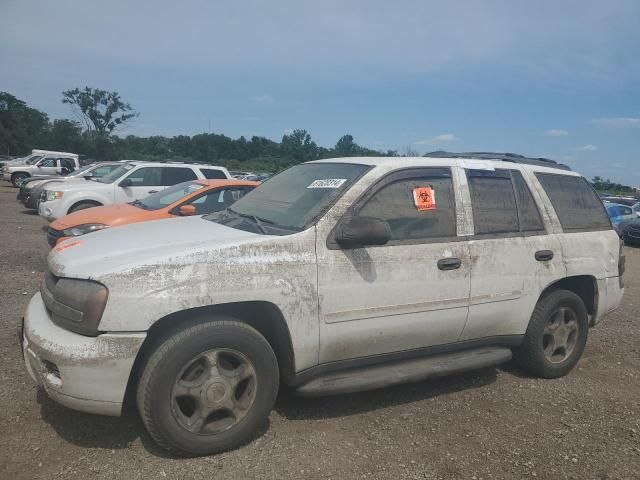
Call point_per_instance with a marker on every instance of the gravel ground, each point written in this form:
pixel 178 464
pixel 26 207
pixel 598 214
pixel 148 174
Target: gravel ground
pixel 490 424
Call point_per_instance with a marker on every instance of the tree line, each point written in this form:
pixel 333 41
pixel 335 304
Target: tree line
pixel 98 114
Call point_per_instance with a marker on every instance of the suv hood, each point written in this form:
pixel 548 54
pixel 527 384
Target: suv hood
pixel 71 184
pixel 120 249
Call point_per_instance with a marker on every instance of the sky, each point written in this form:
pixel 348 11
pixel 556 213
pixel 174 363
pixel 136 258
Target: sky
pixel 559 79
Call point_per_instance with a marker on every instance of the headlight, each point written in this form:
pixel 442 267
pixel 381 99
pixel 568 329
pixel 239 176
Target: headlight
pixel 83 229
pixel 76 305
pixel 53 195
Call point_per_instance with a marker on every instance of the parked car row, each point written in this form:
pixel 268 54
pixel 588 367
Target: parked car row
pixel 335 276
pixel 31 189
pixel 193 197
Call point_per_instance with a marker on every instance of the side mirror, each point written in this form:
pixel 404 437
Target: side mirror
pixel 186 210
pixel 363 231
pixel 125 183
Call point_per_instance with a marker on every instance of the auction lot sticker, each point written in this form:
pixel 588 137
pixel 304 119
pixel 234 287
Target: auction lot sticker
pixel 328 183
pixel 424 198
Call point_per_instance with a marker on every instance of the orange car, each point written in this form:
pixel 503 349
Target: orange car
pixel 195 197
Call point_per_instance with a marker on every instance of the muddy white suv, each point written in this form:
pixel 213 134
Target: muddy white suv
pixel 332 277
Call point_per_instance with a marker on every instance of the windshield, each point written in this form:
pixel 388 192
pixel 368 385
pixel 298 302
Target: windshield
pixel 168 196
pixel 80 171
pixel 291 200
pixel 116 174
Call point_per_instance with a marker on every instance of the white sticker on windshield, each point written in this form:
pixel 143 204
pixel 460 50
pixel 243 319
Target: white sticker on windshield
pixel 328 183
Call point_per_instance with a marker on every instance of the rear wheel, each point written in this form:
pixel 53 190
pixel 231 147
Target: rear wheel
pixel 17 177
pixel 556 336
pixel 208 388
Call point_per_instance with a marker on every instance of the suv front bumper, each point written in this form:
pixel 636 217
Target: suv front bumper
pixel 89 374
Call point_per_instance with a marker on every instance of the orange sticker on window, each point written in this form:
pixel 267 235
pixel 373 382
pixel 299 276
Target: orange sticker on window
pixel 424 198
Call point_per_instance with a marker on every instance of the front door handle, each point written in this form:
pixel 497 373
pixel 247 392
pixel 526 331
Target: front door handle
pixel 152 191
pixel 451 263
pixel 544 255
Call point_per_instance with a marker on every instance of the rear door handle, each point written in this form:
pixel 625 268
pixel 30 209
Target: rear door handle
pixel 152 191
pixel 544 255
pixel 451 263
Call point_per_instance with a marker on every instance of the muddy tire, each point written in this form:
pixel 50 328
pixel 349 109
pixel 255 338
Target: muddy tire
pixel 556 335
pixel 208 388
pixel 83 206
pixel 17 177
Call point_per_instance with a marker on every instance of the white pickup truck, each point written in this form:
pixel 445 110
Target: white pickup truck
pixel 334 276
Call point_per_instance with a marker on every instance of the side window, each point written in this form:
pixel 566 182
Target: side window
pixel 528 213
pixel 67 163
pixel 493 201
pixel 217 200
pixel 146 177
pixel 418 205
pixel 212 173
pixel 47 162
pixel 175 175
pixel 577 205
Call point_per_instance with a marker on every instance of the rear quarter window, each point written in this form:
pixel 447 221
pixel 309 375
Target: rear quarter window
pixel 577 205
pixel 212 173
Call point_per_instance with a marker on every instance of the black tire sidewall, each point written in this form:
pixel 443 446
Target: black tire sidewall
pixel 184 350
pixel 531 353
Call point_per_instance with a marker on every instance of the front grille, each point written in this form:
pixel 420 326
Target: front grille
pixel 53 235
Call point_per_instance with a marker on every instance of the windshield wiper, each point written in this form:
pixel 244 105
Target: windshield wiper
pixel 257 220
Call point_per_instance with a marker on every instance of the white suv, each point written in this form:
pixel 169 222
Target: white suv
pixel 132 181
pixel 332 277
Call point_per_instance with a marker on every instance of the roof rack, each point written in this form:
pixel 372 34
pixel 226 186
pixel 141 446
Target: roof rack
pixel 505 157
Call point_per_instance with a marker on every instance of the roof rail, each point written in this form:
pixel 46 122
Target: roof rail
pixel 505 157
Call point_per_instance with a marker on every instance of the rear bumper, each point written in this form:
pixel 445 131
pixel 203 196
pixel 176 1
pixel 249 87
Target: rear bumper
pixel 89 374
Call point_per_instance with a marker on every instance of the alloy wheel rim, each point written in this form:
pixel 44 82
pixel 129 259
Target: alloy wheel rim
pixel 560 335
pixel 214 391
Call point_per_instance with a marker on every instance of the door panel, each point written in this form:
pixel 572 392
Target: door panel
pixel 145 181
pixel 506 276
pixel 395 297
pixel 506 282
pixel 390 299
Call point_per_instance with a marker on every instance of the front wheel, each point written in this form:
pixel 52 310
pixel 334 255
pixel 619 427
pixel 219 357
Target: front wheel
pixel 556 336
pixel 16 178
pixel 208 388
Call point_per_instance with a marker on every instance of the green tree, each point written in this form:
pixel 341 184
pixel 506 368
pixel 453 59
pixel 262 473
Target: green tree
pixel 100 111
pixel 21 127
pixel 298 146
pixel 65 135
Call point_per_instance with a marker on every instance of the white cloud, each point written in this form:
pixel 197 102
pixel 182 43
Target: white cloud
pixel 617 122
pixel 437 140
pixel 287 131
pixel 588 148
pixel 262 99
pixel 557 133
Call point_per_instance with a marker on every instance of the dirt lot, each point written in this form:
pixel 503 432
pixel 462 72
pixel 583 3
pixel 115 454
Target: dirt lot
pixel 495 423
